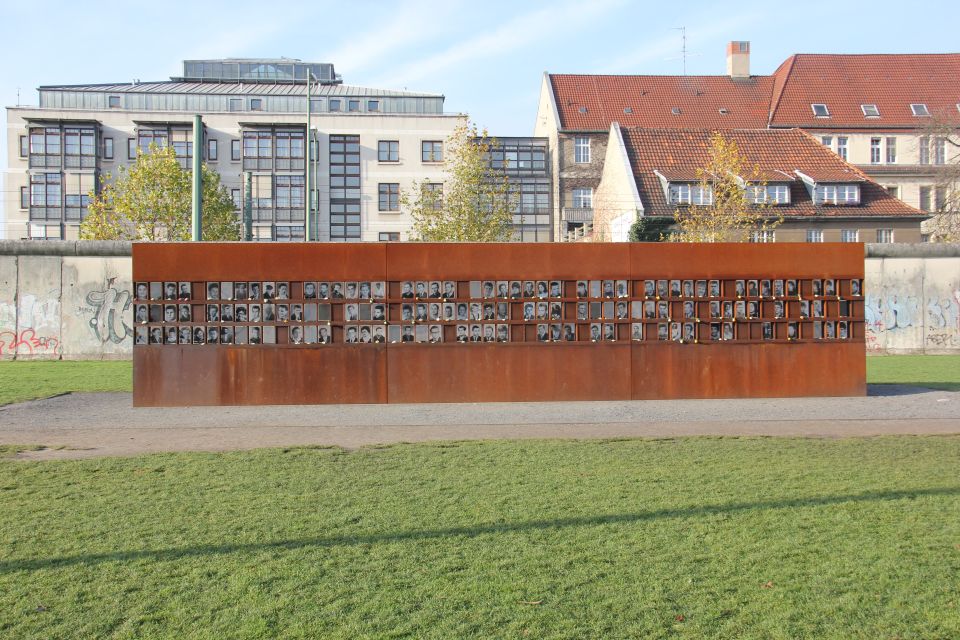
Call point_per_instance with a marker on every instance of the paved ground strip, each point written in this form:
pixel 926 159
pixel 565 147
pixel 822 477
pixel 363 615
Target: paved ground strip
pixel 98 424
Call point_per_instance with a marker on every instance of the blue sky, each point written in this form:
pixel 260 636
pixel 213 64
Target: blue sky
pixel 486 56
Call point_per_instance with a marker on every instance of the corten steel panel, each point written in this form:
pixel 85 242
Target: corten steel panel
pixel 257 261
pixel 499 261
pixel 230 375
pixel 747 260
pixel 664 371
pixel 508 373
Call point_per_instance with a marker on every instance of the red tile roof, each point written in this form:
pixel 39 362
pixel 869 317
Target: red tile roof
pixel 844 82
pixel 653 98
pixel 777 152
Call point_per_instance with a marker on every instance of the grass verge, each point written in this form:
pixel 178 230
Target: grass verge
pixel 687 538
pixel 29 380
pixel 934 372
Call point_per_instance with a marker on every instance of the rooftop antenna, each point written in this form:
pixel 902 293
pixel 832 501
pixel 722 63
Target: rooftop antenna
pixel 683 48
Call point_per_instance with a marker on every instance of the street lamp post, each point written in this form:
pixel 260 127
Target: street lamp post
pixel 308 200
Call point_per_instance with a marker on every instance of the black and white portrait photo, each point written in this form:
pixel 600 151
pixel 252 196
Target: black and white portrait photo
pixel 420 314
pixel 663 331
pixel 728 331
pixel 753 309
pixel 255 313
pixel 406 313
pixel 622 289
pixel 185 292
pixel 324 335
pixel 296 313
pixel 582 311
pixel 855 288
pixel 528 311
pixel 792 288
pixel 740 288
pixel 804 307
pixel 435 292
pixel 818 308
pixel 817 287
pixel 829 287
pixel 476 311
pixel 636 331
pixel 663 310
pixel 556 311
pixel 543 333
pixel 213 313
pixel 226 335
pixel 728 309
pixel 649 289
pixel 350 290
pixel 489 333
pixel 488 311
pixel 569 332
pixel 435 334
pixel 140 314
pixel 476 333
pixel 529 290
pixel 141 291
pixel 364 291
pixel 778 309
pixel 556 333
pixel 503 311
pixel 828 330
pixel 582 289
pixel 714 308
pixel 676 333
pixel 433 311
pixel 621 310
pixel 778 288
pixel 213 291
pixel 753 289
pixel 675 291
pixel 269 312
pixel 462 313
pixel 170 290
pixel 213 335
pixel 253 291
pixel 170 335
pixel 503 289
pixel 503 333
pixel 689 309
pixel 543 311
pixel 714 288
pixel 463 333
pixel 765 291
pixel 701 288
pixel 767 330
pixel 542 289
pixel 309 290
pixel 714 331
pixel 379 336
pixel 661 288
pixel 184 313
pixel 608 290
pixel 449 290
pixel 688 288
pixel 609 331
pixel 842 330
pixel 226 313
pixel 379 290
pixel 269 290
pixel 140 335
pixel 380 314
pixel 489 289
pixel 351 313
pixel 689 332
pixel 351 334
pixel 792 331
pixel 199 335
pixel 336 291
pixel 366 336
pixel 406 289
pixel 596 332
pixel 556 289
pixel 741 310
pixel 256 335
pixel 649 310
pixel 515 290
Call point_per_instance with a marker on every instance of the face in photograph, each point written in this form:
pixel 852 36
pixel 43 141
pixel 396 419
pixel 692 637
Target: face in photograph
pixel 817 287
pixel 140 335
pixel 636 332
pixel 489 334
pixel 253 290
pixel 765 288
pixel 351 290
pixel 649 309
pixel 842 330
pixel 476 334
pixel 649 288
pixel 752 310
pixel 240 313
pixel 283 290
pixel 226 313
pixel 804 309
pixel 688 309
pixel 714 288
pixel 476 311
pixel 662 288
pixel 503 289
pixel 255 315
pixel 449 289
pixel 715 331
pixel 269 312
pixel 406 313
pixel 715 309
pixel 609 332
pixel 324 336
pixel 740 288
pixel 170 291
pixel 406 289
pixel 515 290
pixel 379 291
pixel 689 334
pixel 199 335
pixel 728 331
pixel 828 329
pixel 778 288
pixel 622 290
pixel 675 332
pixel 140 314
pixel 528 289
pixel 582 311
pixel 663 331
pixel 421 312
pixel 778 309
pixel 156 335
pixel 184 292
pixel 542 310
pixel 753 290
pixel 688 288
pixel 556 333
pixel 608 290
pixel 829 288
pixel 728 310
pixel 542 289
pixel 503 311
pixel 255 335
pixel 503 333
pixel 226 335
pixel 543 333
pixel 792 288
pixel 595 333
pixel 142 291
pixel 351 335
pixel 818 308
pixel 435 290
pixel 379 313
pixel 556 289
pixel 336 291
pixel 488 311
pixel 462 335
pixel 663 309
pixel 365 293
pixel 675 288
pixel 309 290
pixel 366 336
pixel 569 333
pixel 269 290
pixel 213 335
pixel 581 288
pixel 213 291
pixel 434 311
pixel 213 313
pixel 184 313
pixel 621 310
pixel 701 288
pixel 296 313
pixel 741 310
pixel 378 335
pixel 854 287
pixel 488 289
pixel 170 335
pixel 323 291
pixel 791 331
pixel 528 313
pixel 556 311
pixel 462 312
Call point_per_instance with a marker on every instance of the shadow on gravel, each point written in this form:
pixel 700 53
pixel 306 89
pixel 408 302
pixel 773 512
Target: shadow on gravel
pixel 881 389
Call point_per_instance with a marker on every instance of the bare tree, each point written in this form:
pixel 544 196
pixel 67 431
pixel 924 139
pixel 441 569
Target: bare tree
pixel 939 143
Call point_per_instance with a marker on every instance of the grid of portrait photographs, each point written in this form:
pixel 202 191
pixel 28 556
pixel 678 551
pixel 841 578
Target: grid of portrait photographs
pixel 322 312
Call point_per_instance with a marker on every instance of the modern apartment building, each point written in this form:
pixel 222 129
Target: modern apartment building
pixel 874 111
pixel 368 146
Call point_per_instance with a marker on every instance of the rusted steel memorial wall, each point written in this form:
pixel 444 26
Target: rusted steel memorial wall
pixel 238 323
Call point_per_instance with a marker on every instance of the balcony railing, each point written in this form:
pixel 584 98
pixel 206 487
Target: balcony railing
pixel 578 214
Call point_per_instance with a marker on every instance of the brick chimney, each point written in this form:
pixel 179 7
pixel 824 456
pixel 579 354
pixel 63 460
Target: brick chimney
pixel 738 59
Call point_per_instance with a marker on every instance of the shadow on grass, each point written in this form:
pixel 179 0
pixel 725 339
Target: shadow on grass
pixel 163 555
pixel 908 388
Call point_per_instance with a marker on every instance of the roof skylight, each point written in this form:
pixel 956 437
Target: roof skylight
pixel 919 109
pixel 820 110
pixel 870 110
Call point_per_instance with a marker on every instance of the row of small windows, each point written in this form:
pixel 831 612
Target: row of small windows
pixel 682 193
pixel 919 109
pixel 389 151
pixel 932 150
pixel 349 105
pixel 816 235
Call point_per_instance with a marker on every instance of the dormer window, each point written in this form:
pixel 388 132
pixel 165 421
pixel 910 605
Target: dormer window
pixel 628 109
pixel 820 110
pixel 919 109
pixel 582 109
pixel 870 110
pixel 686 193
pixel 769 194
pixel 838 194
pixel 675 111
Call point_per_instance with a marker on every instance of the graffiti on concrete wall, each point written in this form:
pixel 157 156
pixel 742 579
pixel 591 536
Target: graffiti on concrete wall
pixel 893 312
pixel 27 342
pixel 106 310
pixel 943 319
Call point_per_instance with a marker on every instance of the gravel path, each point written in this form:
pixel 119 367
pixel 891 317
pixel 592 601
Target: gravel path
pixel 105 424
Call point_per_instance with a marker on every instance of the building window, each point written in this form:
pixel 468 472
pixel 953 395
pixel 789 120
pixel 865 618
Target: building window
pixel 79 148
pixel 316 104
pixel 924 145
pixel 885 236
pixel 389 196
pixel 581 150
pixel 891 150
pixel 842 194
pixel 431 151
pixel 893 190
pixel 24 146
pixel 940 198
pixel 583 198
pixel 289 148
pixel 235 104
pixel 45 147
pixel 827 141
pixel 842 147
pixel 820 110
pixel 389 236
pixel 256 104
pixel 235 150
pixel 373 105
pixel 235 195
pixel 257 150
pixel 764 235
pixel 45 192
pixel 874 150
pixel 289 233
pixel 24 197
pixel 113 102
pixel 131 148
pixel 388 151
pixel 814 235
pixel 919 109
pixel 335 104
pixel 289 198
pixel 870 110
pixel 182 142
pixel 433 195
pixel 108 148
pixel 146 137
pixel 345 223
pixel 849 235
pixel 353 105
pixel 212 149
pixel 686 193
pixel 939 151
pixel 925 198
pixel 771 193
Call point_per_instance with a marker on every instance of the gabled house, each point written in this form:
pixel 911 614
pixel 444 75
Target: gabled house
pixel 655 172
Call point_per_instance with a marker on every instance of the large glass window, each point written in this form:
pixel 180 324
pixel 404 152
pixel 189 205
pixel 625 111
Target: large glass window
pixel 771 193
pixel 765 235
pixel 924 150
pixel 257 150
pixel 79 147
pixel 289 198
pixel 389 193
pixel 583 198
pixel 344 188
pixel 849 235
pixel 182 142
pixel 688 193
pixel 581 150
pixel 891 150
pixel 108 148
pixel 925 198
pixel 290 150
pixel 814 235
pixel 388 151
pixel 885 235
pixel 46 196
pixel 875 150
pixel 45 147
pixel 842 147
pixel 842 194
pixel 431 151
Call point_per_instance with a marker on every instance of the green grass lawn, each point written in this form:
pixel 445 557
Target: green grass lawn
pixel 672 538
pixel 20 381
pixel 935 372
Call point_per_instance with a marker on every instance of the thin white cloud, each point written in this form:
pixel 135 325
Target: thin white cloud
pixel 517 33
